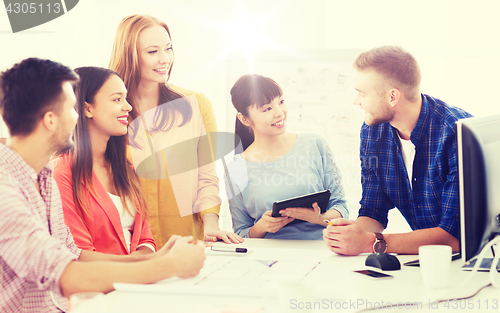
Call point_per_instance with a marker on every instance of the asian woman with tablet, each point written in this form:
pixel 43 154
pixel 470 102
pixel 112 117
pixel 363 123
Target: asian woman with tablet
pixel 277 165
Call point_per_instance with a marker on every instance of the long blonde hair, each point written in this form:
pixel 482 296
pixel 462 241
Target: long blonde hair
pixel 125 61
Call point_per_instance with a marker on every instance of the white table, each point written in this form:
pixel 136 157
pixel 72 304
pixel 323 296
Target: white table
pixel 329 287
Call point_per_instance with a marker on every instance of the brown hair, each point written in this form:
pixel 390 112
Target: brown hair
pixel 396 65
pixel 125 61
pixel 250 90
pixel 124 178
pixel 30 89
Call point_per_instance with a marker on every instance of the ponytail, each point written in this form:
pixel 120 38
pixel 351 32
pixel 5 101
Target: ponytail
pixel 244 134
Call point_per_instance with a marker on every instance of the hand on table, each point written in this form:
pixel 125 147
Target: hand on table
pixel 226 236
pixel 188 256
pixel 346 237
pixel 213 233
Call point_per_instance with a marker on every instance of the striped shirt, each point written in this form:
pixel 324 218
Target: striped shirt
pixel 433 201
pixel 35 244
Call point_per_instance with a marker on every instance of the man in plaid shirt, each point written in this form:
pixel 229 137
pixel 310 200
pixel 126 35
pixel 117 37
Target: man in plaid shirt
pixel 39 263
pixel 408 160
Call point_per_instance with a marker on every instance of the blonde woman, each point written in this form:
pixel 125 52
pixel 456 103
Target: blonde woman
pixel 169 135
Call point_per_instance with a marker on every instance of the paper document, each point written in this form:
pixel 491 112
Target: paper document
pixel 249 275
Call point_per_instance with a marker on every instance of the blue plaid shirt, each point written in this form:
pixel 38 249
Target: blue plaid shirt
pixel 433 201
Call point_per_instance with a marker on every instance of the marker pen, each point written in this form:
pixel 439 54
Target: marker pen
pixel 229 249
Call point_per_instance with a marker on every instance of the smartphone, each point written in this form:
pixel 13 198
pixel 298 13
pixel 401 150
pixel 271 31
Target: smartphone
pixel 412 263
pixel 373 274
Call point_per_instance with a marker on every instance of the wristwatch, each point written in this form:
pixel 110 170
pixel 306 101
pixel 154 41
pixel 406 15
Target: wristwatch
pixel 380 245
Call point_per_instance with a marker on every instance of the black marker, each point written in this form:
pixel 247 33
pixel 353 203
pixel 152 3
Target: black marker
pixel 229 249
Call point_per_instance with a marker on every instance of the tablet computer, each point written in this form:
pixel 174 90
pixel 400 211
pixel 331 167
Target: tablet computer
pixel 485 265
pixel 305 201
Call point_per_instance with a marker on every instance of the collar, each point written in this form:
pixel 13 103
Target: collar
pixel 418 133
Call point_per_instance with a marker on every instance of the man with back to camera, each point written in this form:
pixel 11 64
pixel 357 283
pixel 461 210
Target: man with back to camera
pixel 39 262
pixel 408 160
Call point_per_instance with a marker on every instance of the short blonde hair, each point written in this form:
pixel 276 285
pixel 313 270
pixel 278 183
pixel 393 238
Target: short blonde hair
pixel 394 64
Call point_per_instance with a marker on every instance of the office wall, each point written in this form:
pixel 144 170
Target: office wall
pixel 455 41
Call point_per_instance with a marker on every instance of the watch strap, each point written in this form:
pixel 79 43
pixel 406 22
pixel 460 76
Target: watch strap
pixel 380 245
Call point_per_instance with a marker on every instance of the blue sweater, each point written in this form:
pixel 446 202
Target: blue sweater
pixel 253 187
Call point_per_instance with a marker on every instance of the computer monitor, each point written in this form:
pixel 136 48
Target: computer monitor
pixel 478 148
